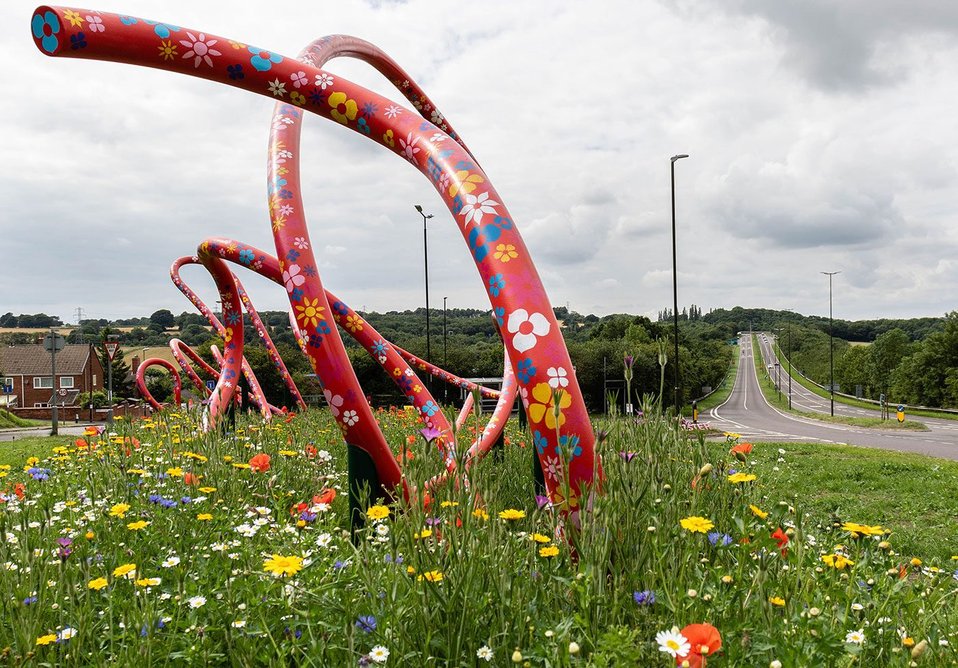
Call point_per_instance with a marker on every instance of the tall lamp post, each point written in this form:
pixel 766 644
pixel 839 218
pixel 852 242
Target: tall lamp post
pixel 445 360
pixel 425 262
pixel 675 287
pixel 831 344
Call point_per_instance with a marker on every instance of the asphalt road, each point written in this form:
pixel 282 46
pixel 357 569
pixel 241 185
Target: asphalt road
pixel 748 413
pixel 64 429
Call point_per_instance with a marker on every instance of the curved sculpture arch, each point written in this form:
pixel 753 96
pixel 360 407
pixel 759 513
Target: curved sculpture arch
pixel 546 379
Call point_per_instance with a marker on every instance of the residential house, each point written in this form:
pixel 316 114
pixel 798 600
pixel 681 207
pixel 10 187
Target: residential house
pixel 25 372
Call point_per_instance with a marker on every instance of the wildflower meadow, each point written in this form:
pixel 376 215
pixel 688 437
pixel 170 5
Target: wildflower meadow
pixel 155 543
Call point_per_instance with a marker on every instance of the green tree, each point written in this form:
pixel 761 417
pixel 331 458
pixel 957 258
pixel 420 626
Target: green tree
pixel 884 356
pixel 164 318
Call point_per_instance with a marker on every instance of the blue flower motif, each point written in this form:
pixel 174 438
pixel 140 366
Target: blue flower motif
pixel 363 126
pixel 246 256
pixel 315 340
pixel 78 41
pixel 45 29
pixel 316 96
pixel 369 109
pixel 496 283
pixel 292 255
pixel 340 308
pixel 430 408
pixel 128 20
pixel 162 30
pixel 569 442
pixel 262 59
pixel 540 442
pixel 405 384
pixel 286 194
pixel 526 370
pixel 309 270
pixel 480 239
pixel 380 347
pixel 235 71
pixel 233 317
pixel 296 294
pixel 323 327
pixel 500 313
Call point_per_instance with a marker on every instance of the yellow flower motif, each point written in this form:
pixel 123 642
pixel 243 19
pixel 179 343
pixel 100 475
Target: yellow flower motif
pixel 696 524
pixel 167 49
pixel 119 510
pixel 74 18
pixel 354 323
pixel 389 139
pixel 863 529
pixel 740 477
pixel 237 45
pixel 310 313
pixel 97 584
pixel 465 182
pixel 279 565
pixel 204 517
pixel 430 576
pixel 425 533
pixel 377 512
pixel 777 601
pixel 47 639
pixel 297 98
pixel 544 405
pixel 505 252
pixel 136 526
pixel 342 108
pixel 279 222
pixel 510 514
pixel 549 551
pixel 539 538
pixel 758 512
pixel 125 571
pixel 837 561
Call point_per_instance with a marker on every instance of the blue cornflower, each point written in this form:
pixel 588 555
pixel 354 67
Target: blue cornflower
pixel 366 623
pixel 646 597
pixel 30 600
pixel 719 538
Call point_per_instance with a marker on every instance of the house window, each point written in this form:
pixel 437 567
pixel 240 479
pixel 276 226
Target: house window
pixel 40 405
pixel 43 382
pixel 67 382
pixel 93 381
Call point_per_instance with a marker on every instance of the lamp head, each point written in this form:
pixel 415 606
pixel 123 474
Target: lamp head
pixel 418 208
pixel 678 157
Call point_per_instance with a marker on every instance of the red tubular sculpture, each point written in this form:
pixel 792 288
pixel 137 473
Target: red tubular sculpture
pixel 546 379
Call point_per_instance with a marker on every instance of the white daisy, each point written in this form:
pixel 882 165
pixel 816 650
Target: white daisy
pixel 672 642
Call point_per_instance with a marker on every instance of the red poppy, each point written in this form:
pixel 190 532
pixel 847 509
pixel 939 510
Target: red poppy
pixel 20 490
pixel 744 448
pixel 298 508
pixel 259 463
pixel 704 640
pixel 782 540
pixel 311 451
pixel 191 479
pixel 326 496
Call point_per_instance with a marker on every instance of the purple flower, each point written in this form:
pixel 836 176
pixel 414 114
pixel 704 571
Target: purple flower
pixel 433 521
pixel 30 600
pixel 719 538
pixel 542 501
pixel 430 433
pixel 646 597
pixel 366 623
pixel 627 456
pixel 629 361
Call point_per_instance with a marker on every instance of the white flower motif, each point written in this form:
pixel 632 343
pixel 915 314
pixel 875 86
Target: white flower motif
pixel 350 418
pixel 284 153
pixel 476 206
pixel 301 243
pixel 335 402
pixel 324 81
pixel 526 328
pixel 557 377
pixel 552 467
pixel 277 88
pixel 96 24
pixel 293 277
pixel 199 49
pixel 437 137
pixel 436 117
pixel 286 209
pixel 392 111
pixel 409 148
pixel 299 79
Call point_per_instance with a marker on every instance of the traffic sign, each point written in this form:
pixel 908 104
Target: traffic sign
pixel 210 385
pixel 901 413
pixel 62 392
pixel 52 341
pixel 111 348
pixel 8 389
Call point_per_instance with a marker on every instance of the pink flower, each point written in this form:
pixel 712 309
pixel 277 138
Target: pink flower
pixel 293 277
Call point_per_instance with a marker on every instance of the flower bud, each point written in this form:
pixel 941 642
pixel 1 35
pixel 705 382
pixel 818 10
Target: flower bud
pixel 705 470
pixel 919 649
pixel 573 648
pixel 517 656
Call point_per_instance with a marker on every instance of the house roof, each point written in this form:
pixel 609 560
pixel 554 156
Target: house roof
pixel 33 360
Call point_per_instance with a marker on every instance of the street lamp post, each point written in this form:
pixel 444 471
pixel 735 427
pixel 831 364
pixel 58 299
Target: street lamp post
pixel 831 343
pixel 445 350
pixel 425 262
pixel 675 287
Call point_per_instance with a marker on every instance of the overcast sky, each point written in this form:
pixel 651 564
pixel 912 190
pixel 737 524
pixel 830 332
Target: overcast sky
pixel 822 134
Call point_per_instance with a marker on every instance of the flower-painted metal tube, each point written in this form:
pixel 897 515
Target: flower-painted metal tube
pixel 145 391
pixel 540 359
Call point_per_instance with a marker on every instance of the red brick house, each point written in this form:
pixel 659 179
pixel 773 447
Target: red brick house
pixel 25 370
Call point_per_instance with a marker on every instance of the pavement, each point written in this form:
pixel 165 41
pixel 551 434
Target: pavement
pixel 63 429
